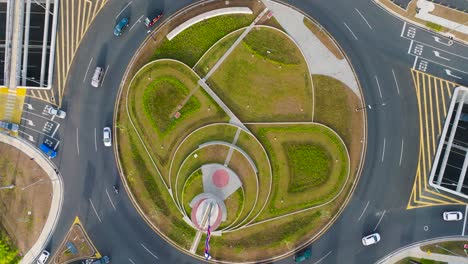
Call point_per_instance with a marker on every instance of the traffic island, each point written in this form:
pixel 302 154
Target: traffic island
pixel 76 246
pixel 217 148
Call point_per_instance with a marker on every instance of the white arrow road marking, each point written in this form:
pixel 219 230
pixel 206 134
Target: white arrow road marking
pixel 449 73
pixel 30 122
pixel 29 106
pixel 437 39
pixel 437 54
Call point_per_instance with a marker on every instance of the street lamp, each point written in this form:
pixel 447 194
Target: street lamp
pixel 11 186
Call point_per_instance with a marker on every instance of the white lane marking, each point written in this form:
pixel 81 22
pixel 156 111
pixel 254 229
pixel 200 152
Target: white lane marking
pixel 318 261
pixel 31 113
pixel 105 73
pixel 95 210
pixel 350 31
pixel 56 145
pixel 403 29
pixel 464 223
pixel 29 121
pixel 410 46
pixel 396 83
pixel 95 141
pixel 437 54
pixel 401 152
pixel 87 69
pixel 129 3
pixel 363 211
pixel 138 21
pixel 37 131
pixel 149 251
pixel 378 85
pixel 131 261
pixel 445 65
pixel 415 60
pixel 55 131
pixel 363 18
pixel 383 150
pixel 77 145
pixel 110 200
pixel 375 228
pixel 449 73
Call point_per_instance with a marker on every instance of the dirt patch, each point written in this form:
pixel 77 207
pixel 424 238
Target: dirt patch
pixel 23 209
pixel 326 40
pixel 410 15
pixel 76 246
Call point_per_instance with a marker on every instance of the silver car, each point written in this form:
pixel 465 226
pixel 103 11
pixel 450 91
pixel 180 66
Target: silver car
pixel 43 257
pixel 371 239
pixel 56 112
pixel 107 137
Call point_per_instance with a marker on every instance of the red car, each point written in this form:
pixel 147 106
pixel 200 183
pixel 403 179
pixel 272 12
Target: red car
pixel 151 20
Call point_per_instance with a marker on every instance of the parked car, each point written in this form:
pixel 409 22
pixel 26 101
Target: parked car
pixel 43 257
pixel 123 23
pixel 51 153
pixel 452 216
pixel 97 77
pixel 107 137
pixel 9 126
pixel 303 255
pixel 103 260
pixel 56 112
pixel 153 18
pixel 371 239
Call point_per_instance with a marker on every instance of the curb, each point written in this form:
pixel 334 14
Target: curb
pixel 57 193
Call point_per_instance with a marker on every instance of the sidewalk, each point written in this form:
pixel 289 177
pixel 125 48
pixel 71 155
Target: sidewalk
pixel 319 59
pixel 416 252
pixel 57 197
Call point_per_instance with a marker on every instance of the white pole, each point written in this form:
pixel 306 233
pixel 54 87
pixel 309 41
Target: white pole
pixel 44 42
pixel 52 44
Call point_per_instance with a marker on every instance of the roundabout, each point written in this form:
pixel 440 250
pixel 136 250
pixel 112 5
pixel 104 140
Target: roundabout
pixel 168 127
pixel 184 151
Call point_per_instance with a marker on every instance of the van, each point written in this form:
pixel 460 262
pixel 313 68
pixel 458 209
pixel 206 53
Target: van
pixel 97 77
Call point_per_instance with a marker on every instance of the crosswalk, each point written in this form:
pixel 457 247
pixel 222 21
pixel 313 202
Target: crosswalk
pixel 74 20
pixel 433 97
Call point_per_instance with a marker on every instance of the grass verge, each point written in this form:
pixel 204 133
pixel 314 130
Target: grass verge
pixel 422 261
pixel 324 38
pixel 447 248
pixel 193 42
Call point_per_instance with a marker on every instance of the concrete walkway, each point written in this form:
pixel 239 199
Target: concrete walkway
pixel 416 252
pixel 57 193
pixel 319 59
pixel 427 7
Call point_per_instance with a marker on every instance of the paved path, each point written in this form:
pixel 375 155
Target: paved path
pixel 427 7
pixel 57 193
pixel 319 59
pixel 416 252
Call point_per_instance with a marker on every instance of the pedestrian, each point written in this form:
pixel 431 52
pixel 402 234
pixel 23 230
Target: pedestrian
pixel 31 158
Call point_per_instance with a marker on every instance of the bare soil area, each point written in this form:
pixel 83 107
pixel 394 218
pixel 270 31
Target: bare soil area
pixel 78 239
pixel 23 209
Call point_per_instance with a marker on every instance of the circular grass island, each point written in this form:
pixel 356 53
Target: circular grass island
pixel 244 147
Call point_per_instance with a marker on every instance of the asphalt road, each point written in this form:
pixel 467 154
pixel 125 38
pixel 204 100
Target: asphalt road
pixel 377 51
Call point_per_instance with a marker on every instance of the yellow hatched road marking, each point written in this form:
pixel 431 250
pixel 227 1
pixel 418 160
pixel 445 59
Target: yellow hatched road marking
pixel 67 33
pixel 449 88
pixel 432 115
pixel 436 89
pixel 72 36
pixel 78 24
pixel 95 9
pixel 442 87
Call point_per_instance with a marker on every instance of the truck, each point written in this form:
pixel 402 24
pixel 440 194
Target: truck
pixel 9 126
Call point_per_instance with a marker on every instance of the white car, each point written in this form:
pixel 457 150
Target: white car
pixel 452 216
pixel 56 112
pixel 371 239
pixel 107 137
pixel 43 257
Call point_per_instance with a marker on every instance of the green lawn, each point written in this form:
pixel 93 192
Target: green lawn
pixel 422 261
pixel 193 42
pixel 310 166
pixel 434 26
pixel 275 138
pixel 212 56
pixel 273 45
pixel 257 88
pixel 161 112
